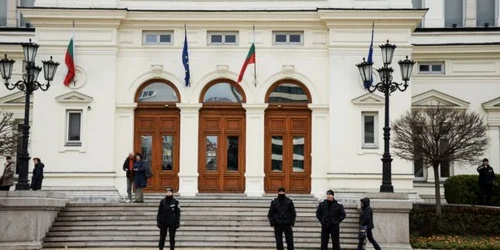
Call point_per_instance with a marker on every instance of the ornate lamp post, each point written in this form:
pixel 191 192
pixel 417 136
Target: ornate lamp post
pixel 386 86
pixel 28 85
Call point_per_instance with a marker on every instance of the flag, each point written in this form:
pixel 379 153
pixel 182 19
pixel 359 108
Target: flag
pixel 370 58
pixel 249 60
pixel 70 62
pixel 185 60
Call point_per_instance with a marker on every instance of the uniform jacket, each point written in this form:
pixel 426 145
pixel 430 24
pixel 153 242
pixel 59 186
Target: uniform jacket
pixel 169 213
pixel 486 175
pixel 330 214
pixel 282 212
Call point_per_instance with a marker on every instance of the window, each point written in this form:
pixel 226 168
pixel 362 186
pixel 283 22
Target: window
pixel 420 171
pixel 223 92
pixel 417 4
pixel 431 68
pixel 223 38
pixel 288 93
pixel 23 22
pixel 454 13
pixel 74 128
pixel 158 92
pixel 292 38
pixel 369 120
pixel 3 13
pixel 485 13
pixel 157 37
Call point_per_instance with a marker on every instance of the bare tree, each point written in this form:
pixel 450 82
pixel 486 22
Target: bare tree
pixel 8 134
pixel 439 134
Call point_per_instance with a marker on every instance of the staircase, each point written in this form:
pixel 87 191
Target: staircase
pixel 207 221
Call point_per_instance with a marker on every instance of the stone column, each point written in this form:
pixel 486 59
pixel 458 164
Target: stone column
pixel 11 13
pixel 320 152
pixel 435 16
pixel 188 174
pixel 124 125
pixel 254 155
pixel 494 148
pixel 470 13
pixel 391 219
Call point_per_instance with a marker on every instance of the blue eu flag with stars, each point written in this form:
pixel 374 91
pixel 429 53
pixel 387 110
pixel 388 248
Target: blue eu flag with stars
pixel 185 60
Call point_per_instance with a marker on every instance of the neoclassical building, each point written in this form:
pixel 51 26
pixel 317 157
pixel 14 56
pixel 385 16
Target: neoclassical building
pixel 301 120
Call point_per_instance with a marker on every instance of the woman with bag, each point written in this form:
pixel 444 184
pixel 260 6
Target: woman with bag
pixel 366 225
pixel 7 178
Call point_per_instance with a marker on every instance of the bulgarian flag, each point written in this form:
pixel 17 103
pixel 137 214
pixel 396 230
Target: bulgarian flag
pixel 249 60
pixel 70 62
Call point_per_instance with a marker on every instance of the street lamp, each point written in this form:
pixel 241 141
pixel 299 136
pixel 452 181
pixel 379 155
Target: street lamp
pixel 28 85
pixel 386 86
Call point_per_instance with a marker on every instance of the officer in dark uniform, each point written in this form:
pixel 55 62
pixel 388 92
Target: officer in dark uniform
pixel 168 218
pixel 486 179
pixel 282 217
pixel 330 213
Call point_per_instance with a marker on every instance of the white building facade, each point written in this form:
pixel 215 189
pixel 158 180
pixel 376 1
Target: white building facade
pixel 301 120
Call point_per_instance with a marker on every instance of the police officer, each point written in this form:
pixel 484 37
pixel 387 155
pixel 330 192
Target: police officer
pixel 486 179
pixel 282 217
pixel 168 218
pixel 330 213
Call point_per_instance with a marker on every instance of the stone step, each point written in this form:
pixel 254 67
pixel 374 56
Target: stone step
pixel 192 215
pixel 298 232
pixel 211 228
pixel 197 244
pixel 131 206
pixel 188 238
pixel 232 223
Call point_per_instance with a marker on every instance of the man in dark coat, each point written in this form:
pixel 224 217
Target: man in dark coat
pixel 366 222
pixel 36 179
pixel 282 216
pixel 128 167
pixel 330 213
pixel 168 218
pixel 486 179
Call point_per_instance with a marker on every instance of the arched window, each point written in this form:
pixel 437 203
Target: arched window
pixel 157 91
pixel 288 91
pixel 223 91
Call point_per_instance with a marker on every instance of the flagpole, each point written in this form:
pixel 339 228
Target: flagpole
pixel 74 52
pixel 255 63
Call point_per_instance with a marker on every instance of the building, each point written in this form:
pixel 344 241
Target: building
pixel 303 122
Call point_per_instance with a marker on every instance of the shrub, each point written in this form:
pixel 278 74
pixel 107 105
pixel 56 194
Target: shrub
pixel 456 220
pixel 463 189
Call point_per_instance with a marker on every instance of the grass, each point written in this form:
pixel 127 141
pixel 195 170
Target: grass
pixel 456 242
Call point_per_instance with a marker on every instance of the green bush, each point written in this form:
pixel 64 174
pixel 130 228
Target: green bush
pixel 455 220
pixel 463 189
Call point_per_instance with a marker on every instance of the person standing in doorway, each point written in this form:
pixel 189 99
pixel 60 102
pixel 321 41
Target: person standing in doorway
pixel 486 179
pixel 366 222
pixel 140 180
pixel 168 219
pixel 282 217
pixel 37 178
pixel 128 167
pixel 330 214
pixel 7 178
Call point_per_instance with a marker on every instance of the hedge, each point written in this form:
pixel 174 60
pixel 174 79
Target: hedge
pixel 455 220
pixel 463 189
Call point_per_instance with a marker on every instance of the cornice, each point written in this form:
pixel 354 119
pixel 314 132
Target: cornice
pixel 385 18
pixel 485 51
pixel 63 18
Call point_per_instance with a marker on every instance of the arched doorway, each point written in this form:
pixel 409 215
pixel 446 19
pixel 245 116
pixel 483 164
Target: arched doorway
pixel 221 147
pixel 287 149
pixel 157 122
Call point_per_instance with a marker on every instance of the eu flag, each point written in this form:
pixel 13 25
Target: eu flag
pixel 185 60
pixel 370 58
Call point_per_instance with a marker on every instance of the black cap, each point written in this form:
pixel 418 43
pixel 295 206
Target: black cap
pixel 169 189
pixel 329 192
pixel 485 159
pixel 281 189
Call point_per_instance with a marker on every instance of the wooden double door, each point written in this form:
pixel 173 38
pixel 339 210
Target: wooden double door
pixel 287 150
pixel 221 147
pixel 157 139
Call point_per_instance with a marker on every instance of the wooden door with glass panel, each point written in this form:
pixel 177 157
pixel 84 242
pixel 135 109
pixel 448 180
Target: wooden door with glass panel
pixel 222 151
